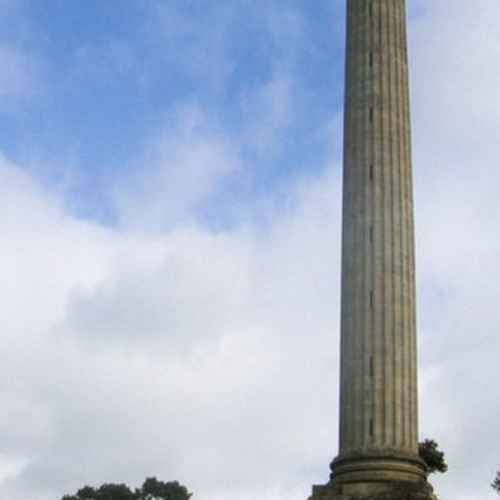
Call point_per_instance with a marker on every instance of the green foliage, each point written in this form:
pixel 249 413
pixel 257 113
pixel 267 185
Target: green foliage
pixel 433 458
pixel 152 489
pixel 85 493
pixel 496 483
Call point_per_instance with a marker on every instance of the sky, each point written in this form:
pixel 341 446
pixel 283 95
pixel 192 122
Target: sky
pixel 170 187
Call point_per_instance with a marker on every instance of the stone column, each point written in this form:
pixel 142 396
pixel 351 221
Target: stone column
pixel 378 381
pixel 378 375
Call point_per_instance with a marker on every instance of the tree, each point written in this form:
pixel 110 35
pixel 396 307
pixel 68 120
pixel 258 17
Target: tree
pixel 105 492
pixel 496 483
pixel 152 489
pixel 433 458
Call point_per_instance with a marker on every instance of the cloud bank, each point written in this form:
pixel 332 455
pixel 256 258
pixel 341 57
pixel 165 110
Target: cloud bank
pixel 163 345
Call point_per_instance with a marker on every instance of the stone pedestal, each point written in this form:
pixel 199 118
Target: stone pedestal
pixel 376 475
pixel 373 465
pixel 421 490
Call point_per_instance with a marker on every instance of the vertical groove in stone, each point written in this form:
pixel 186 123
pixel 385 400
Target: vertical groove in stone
pixel 411 442
pixel 349 234
pixel 355 333
pixel 388 105
pixel 398 328
pixel 411 249
pixel 390 161
pixel 364 422
pixel 377 135
pixel 414 357
pixel 376 330
pixel 402 278
pixel 385 92
pixel 367 403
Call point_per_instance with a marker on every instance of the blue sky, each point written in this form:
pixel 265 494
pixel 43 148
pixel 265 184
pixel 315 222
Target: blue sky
pixel 110 79
pixel 170 206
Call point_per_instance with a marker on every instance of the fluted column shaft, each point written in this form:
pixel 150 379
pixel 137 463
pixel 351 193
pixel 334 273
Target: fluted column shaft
pixel 378 406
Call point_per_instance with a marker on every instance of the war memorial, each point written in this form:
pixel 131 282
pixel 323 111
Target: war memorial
pixel 378 431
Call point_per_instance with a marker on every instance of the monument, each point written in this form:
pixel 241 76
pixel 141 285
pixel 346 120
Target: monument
pixel 378 440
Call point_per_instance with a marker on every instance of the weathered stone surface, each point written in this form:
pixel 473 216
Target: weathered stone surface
pixel 378 435
pixel 393 491
pixel 378 349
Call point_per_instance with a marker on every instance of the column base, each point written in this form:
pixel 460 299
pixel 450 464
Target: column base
pixel 373 491
pixel 377 465
pixel 376 475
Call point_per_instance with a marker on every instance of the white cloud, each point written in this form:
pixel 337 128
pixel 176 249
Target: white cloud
pixel 165 344
pixel 11 467
pixel 268 110
pixel 211 358
pixel 183 166
pixel 456 118
pixel 204 33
